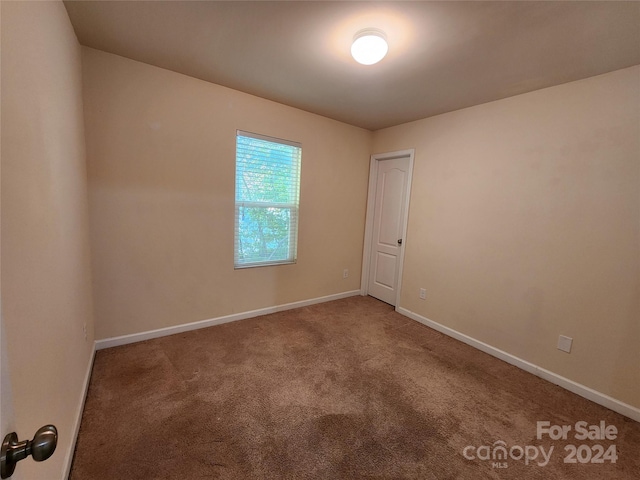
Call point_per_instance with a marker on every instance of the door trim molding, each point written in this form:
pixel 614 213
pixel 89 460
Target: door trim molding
pixel 368 231
pixel 68 461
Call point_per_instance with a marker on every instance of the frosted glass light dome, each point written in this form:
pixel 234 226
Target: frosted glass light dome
pixel 369 46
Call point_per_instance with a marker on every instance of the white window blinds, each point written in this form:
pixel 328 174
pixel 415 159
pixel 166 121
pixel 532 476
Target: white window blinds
pixel 267 199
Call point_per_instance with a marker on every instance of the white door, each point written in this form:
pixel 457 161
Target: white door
pixel 389 226
pixel 7 423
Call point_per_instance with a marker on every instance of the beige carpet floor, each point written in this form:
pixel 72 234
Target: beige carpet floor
pixel 343 390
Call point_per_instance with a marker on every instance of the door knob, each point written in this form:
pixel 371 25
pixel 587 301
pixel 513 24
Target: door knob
pixel 40 448
pixel 400 242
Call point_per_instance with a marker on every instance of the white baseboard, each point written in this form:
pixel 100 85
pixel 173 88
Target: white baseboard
pixel 185 327
pixel 577 388
pixel 76 427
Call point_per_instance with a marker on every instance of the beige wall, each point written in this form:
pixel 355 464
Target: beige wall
pixel 46 282
pixel 161 163
pixel 525 224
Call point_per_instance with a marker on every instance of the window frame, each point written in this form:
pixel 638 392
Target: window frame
pixel 294 208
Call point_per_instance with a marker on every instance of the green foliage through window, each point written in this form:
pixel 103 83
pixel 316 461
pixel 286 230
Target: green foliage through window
pixel 267 198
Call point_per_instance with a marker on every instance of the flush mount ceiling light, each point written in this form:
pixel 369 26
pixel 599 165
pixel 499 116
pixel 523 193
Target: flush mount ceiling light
pixel 369 46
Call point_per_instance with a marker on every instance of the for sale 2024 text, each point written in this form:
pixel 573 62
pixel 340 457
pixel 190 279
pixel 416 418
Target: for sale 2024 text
pixel 582 431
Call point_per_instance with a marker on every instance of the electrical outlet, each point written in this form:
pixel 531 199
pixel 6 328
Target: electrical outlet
pixel 423 294
pixel 345 273
pixel 564 343
pixel 84 330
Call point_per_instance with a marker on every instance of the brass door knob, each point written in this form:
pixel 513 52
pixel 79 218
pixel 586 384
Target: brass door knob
pixel 40 448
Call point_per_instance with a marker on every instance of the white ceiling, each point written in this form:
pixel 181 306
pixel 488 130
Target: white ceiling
pixel 443 56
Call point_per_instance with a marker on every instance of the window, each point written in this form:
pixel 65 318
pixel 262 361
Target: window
pixel 267 197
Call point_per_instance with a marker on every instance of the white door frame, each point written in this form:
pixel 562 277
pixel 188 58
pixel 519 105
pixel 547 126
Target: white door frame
pixel 371 202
